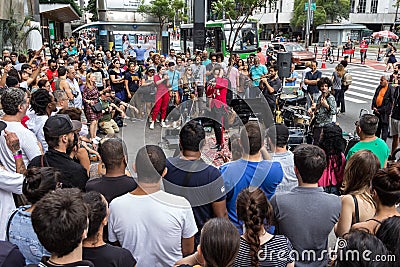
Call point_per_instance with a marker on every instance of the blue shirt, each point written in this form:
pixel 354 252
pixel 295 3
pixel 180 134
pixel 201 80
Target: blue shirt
pixel 139 53
pixel 206 62
pixel 294 74
pixel 174 79
pixel 241 174
pixel 257 72
pixel 23 235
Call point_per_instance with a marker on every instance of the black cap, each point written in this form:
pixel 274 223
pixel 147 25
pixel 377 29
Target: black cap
pixel 3 125
pixel 278 130
pixel 60 124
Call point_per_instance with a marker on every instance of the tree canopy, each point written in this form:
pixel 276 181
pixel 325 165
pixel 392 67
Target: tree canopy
pixel 163 10
pixel 327 11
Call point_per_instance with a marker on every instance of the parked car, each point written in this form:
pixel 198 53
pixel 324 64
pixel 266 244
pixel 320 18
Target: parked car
pixel 299 54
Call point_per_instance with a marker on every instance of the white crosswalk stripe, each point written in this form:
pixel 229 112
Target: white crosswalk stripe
pixel 365 81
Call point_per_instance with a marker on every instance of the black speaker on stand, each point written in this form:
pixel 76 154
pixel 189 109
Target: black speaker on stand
pixel 284 62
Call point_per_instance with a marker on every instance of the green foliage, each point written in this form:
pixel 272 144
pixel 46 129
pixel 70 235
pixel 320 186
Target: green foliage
pixel 237 12
pixel 163 10
pixel 16 32
pixel 328 11
pixel 71 2
pixel 92 9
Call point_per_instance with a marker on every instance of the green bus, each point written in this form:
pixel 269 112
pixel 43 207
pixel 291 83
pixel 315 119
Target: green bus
pixel 217 36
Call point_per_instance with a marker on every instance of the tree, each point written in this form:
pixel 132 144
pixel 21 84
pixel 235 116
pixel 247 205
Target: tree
pixel 92 9
pixel 237 12
pixel 16 32
pixel 326 11
pixel 163 10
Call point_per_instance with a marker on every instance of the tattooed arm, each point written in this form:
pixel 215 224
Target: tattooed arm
pixel 13 144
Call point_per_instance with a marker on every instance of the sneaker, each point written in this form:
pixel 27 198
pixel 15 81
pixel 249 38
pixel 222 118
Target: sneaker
pixel 152 125
pixel 175 124
pixel 164 125
pixel 157 120
pixel 150 120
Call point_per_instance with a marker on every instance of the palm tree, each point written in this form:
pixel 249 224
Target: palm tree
pixel 16 32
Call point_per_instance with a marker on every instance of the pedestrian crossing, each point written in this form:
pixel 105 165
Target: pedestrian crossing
pixel 365 81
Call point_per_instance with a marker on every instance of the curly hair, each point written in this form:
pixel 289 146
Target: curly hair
pixel 324 80
pixel 11 99
pixel 39 101
pixel 254 209
pixel 333 143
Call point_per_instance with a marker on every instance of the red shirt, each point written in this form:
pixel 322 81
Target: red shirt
pixel 50 77
pixel 363 47
pixel 262 58
pixel 162 87
pixel 221 88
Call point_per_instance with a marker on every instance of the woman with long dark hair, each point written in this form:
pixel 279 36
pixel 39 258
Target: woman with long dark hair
pixel 257 246
pixel 385 190
pixel 117 78
pixel 219 245
pixel 94 248
pixel 357 203
pixel 333 144
pixel 37 183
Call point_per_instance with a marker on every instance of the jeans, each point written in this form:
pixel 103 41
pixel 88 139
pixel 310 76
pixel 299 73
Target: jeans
pixel 339 97
pixel 22 234
pixel 312 98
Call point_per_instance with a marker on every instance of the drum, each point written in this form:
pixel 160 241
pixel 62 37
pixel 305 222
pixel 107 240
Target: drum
pixel 287 96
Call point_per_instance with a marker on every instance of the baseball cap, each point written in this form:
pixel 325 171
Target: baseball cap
pixel 151 68
pixel 278 130
pixel 60 124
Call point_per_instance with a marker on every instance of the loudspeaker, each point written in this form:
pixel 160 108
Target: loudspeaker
pixel 284 62
pixel 199 11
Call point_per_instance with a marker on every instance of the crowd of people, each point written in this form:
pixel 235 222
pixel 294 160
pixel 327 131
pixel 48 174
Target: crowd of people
pixel 266 206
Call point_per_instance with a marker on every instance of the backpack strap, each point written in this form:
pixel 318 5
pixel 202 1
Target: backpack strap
pixel 9 224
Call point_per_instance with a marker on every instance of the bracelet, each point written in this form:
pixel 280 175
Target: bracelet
pixel 18 156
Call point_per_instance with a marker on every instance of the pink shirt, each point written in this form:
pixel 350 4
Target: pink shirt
pixel 330 177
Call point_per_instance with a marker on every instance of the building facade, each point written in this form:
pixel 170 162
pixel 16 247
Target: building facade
pixel 375 14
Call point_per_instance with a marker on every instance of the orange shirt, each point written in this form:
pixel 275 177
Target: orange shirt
pixel 381 95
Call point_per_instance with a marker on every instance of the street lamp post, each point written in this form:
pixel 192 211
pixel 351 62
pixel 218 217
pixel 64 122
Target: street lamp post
pixel 308 24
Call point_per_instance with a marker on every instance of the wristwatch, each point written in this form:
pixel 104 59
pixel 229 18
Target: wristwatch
pixel 17 153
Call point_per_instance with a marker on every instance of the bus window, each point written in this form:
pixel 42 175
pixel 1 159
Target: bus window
pixel 214 39
pixel 249 39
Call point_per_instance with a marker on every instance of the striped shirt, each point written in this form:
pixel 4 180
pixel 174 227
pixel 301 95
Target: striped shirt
pixel 276 252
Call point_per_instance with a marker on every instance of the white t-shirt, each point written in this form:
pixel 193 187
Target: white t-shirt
pixel 28 143
pixel 151 226
pixel 35 124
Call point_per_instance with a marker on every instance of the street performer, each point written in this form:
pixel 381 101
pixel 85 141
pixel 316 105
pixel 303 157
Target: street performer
pixel 323 110
pixel 217 91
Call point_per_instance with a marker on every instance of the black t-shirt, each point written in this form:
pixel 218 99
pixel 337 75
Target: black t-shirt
pixel 112 187
pixel 177 181
pixel 84 263
pixel 73 174
pixel 133 80
pixel 271 97
pixel 109 256
pixel 396 104
pixel 118 87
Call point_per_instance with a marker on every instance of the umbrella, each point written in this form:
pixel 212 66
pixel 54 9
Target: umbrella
pixel 387 34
